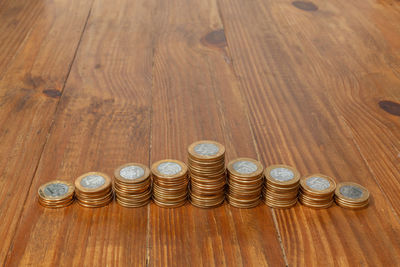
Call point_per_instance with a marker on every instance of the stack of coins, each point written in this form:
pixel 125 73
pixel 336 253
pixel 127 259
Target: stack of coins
pixel 206 160
pixel 281 186
pixel 132 185
pixel 245 181
pixel 351 195
pixel 316 191
pixel 170 183
pixel 93 190
pixel 56 194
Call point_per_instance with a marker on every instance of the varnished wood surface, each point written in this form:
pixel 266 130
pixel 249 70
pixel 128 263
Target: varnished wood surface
pixel 89 85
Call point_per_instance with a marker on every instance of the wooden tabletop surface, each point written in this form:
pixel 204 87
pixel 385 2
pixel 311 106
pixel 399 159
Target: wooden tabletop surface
pixel 88 85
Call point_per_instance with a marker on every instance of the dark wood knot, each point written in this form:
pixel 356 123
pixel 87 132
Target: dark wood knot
pixel 215 38
pixel 306 6
pixel 52 93
pixel 390 107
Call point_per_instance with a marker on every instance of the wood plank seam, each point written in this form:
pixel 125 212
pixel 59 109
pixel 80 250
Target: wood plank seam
pixel 357 146
pixel 48 133
pixel 370 169
pixel 245 106
pixel 221 119
pixel 16 52
pixel 228 54
pixel 147 261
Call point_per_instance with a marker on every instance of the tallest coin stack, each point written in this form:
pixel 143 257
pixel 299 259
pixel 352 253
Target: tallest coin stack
pixel 206 162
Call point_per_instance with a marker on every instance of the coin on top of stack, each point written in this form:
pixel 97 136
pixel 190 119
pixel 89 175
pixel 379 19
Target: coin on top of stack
pixel 351 195
pixel 281 186
pixel 206 162
pixel 245 181
pixel 132 185
pixel 170 183
pixel 93 190
pixel 56 194
pixel 316 191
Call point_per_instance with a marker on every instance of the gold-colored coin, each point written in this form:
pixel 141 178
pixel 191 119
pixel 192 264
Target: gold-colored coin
pixel 351 195
pixel 206 162
pixel 132 173
pixel 316 191
pixel 318 185
pixel 132 185
pixel 245 182
pixel 206 150
pixel 282 183
pixel 280 205
pixel 93 182
pixel 56 194
pixel 93 190
pixel 170 183
pixel 315 205
pixel 282 176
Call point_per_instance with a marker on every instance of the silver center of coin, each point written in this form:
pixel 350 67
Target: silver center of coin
pixel 206 149
pixel 131 172
pixel 169 168
pixel 318 183
pixel 281 174
pixel 350 191
pixel 244 167
pixel 56 190
pixel 93 181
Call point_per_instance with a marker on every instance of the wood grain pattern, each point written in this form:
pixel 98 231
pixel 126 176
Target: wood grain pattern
pixel 17 19
pixel 26 113
pixel 301 108
pixel 102 118
pixel 89 85
pixel 193 76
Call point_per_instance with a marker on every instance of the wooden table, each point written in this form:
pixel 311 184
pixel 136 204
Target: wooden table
pixel 87 85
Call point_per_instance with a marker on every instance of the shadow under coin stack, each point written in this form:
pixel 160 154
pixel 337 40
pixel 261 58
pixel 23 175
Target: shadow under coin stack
pixel 56 194
pixel 93 190
pixel 316 191
pixel 351 195
pixel 170 183
pixel 281 186
pixel 245 182
pixel 206 160
pixel 132 185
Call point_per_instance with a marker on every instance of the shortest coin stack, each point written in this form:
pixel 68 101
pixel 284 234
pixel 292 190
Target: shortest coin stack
pixel 351 195
pixel 245 181
pixel 132 185
pixel 316 191
pixel 93 190
pixel 170 183
pixel 56 194
pixel 281 186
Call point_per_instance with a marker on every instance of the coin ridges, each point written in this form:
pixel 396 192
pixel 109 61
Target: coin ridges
pixel 131 172
pixel 56 189
pixel 170 183
pixel 169 168
pixel 281 186
pixel 318 183
pixel 56 194
pixel 206 163
pixel 206 149
pixel 245 182
pixel 92 181
pixel 316 191
pixel 282 174
pixel 351 195
pixel 93 190
pixel 132 185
